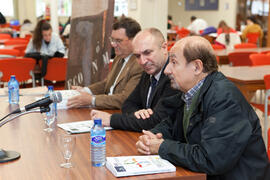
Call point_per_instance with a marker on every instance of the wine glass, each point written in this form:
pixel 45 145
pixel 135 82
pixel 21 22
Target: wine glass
pixel 67 145
pixel 49 119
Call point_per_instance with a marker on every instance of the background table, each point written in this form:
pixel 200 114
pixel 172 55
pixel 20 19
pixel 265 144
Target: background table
pixel 247 78
pixel 41 156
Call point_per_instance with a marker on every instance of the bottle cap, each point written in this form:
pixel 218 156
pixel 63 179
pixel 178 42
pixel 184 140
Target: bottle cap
pixel 98 121
pixel 50 87
pixel 12 77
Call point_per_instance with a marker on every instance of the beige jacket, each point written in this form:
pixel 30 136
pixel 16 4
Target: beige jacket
pixel 125 84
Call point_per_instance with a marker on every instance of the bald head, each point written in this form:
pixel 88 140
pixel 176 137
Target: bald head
pixel 150 33
pixel 196 47
pixel 150 48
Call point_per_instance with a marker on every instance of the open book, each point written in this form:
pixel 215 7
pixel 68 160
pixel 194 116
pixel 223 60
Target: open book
pixel 138 165
pixel 79 126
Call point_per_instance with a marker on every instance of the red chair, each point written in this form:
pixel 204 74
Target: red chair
pixel 240 58
pixel 259 59
pixel 245 45
pixel 253 37
pixel 16 42
pixel 264 108
pixel 217 46
pixel 183 32
pixel 20 67
pixel 56 73
pixel 5 36
pixel 12 52
pixel 21 48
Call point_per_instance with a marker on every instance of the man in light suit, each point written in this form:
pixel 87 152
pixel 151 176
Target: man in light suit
pixel 150 48
pixel 111 92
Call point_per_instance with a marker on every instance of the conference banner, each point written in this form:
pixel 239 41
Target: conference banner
pixel 89 47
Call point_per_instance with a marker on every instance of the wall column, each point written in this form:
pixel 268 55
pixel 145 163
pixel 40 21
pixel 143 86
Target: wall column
pixel 150 13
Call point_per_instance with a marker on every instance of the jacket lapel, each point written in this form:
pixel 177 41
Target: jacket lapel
pixel 125 70
pixel 159 82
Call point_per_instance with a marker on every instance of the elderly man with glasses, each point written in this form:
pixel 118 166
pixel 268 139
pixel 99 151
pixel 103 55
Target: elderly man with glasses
pixel 123 77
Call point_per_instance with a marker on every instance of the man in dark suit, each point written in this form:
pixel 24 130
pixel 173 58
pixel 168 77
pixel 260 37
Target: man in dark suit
pixel 150 48
pixel 111 92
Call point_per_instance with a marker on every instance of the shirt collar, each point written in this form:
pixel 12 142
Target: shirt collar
pixel 188 96
pixel 127 58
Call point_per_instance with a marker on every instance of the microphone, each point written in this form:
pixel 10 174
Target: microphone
pixel 55 97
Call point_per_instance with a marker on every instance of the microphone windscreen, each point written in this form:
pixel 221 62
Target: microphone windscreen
pixel 56 97
pixel 59 97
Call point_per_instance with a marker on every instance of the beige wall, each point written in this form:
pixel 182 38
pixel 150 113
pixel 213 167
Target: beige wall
pixel 226 11
pixel 150 13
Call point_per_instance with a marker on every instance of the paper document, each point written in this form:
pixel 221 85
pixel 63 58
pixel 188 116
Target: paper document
pixel 79 126
pixel 66 94
pixel 137 165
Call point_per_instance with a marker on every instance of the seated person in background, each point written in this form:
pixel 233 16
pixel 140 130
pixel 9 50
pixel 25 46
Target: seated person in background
pixel 26 28
pixel 150 48
pixel 224 28
pixel 211 127
pixel 111 92
pixel 252 27
pixel 44 45
pixel 196 25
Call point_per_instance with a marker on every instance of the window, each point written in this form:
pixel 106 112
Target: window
pixel 64 7
pixel 259 7
pixel 120 7
pixel 6 7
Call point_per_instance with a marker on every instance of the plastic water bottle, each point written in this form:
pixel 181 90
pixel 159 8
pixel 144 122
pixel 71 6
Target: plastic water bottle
pixel 98 144
pixel 51 115
pixel 13 90
pixel 14 34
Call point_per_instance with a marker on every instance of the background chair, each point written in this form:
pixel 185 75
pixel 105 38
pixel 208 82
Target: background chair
pixel 217 47
pixel 20 67
pixel 5 36
pixel 16 42
pixel 265 109
pixel 253 37
pixel 12 52
pixel 259 59
pixel 245 45
pixel 240 58
pixel 21 48
pixel 56 73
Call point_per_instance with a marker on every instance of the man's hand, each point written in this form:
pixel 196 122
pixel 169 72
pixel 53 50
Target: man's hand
pixel 106 117
pixel 143 113
pixel 83 99
pixel 78 88
pixel 149 143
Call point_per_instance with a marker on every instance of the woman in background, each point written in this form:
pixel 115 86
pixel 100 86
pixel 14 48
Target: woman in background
pixel 252 27
pixel 44 45
pixel 224 28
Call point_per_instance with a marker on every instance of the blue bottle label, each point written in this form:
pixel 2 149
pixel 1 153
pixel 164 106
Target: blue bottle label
pixel 98 140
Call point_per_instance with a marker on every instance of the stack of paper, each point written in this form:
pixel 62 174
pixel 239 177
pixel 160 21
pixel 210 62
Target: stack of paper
pixel 137 165
pixel 79 127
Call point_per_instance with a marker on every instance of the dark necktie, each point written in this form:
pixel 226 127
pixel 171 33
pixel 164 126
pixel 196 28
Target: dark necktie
pixel 153 86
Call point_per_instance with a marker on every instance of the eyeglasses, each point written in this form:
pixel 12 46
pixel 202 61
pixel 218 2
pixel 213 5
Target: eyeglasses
pixel 116 41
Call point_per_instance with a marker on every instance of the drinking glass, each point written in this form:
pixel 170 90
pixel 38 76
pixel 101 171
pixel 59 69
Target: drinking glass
pixel 49 119
pixel 67 145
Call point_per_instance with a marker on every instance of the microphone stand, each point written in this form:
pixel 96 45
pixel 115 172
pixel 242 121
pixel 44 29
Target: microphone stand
pixel 6 156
